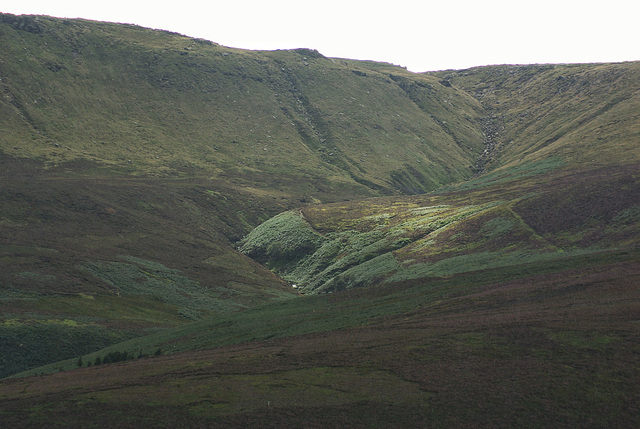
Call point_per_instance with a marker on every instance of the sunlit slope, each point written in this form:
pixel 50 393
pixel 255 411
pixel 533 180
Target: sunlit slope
pixel 355 244
pixel 156 103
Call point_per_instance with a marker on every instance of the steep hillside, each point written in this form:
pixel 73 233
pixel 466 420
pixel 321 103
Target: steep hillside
pixel 154 103
pixel 585 114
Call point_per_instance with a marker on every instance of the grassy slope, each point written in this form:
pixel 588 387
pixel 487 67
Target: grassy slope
pixel 510 300
pixel 540 342
pixel 116 257
pixel 157 103
pixel 124 147
pixel 561 143
pixel 585 114
pixel 555 344
pixel 353 244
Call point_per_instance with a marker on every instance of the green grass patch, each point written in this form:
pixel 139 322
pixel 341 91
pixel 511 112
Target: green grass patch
pixel 363 274
pixel 500 176
pixel 355 247
pixel 583 339
pixel 480 261
pixel 281 241
pixel 30 344
pixel 497 227
pixel 628 216
pixel 154 280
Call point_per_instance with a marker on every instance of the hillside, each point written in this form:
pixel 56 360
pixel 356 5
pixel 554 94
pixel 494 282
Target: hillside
pixel 328 248
pixel 585 114
pixel 144 102
pixel 133 158
pixel 464 244
pixel 543 344
pixel 560 167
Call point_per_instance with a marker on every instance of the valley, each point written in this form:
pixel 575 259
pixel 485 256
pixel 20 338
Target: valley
pixel 279 238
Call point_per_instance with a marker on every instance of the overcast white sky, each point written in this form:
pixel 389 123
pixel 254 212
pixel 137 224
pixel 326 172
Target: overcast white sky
pixel 420 35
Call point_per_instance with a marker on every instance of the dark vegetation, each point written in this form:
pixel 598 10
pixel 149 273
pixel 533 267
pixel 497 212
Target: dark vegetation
pixel 464 244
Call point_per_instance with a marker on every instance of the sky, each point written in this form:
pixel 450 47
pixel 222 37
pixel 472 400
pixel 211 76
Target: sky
pixel 419 35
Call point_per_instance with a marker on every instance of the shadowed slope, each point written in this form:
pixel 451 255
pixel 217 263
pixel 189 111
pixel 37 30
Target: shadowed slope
pixel 557 345
pixel 86 262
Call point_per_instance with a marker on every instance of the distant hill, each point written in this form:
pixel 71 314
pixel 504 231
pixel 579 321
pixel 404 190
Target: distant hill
pixel 586 114
pixel 194 235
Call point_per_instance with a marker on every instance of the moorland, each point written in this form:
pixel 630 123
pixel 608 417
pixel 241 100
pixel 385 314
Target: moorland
pixel 194 235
